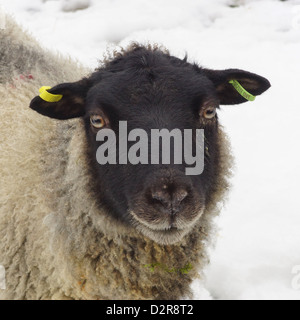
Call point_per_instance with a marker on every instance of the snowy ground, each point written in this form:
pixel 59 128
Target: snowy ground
pixel 258 245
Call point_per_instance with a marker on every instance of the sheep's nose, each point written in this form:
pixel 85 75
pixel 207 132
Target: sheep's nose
pixel 169 197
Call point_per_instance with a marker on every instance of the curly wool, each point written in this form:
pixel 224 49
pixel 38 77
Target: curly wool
pixel 56 241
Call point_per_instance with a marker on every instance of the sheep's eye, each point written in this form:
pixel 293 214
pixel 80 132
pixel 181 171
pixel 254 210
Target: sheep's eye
pixel 209 113
pixel 97 121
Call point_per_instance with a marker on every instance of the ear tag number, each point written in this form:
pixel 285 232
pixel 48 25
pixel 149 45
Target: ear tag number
pixel 242 91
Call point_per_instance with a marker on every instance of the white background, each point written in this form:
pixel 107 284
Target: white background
pixel 258 244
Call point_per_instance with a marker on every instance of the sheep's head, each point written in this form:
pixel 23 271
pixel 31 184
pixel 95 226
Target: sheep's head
pixel 149 89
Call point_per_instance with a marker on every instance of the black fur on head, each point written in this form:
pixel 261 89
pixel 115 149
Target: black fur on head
pixel 151 89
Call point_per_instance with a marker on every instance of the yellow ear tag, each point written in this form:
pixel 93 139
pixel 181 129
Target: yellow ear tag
pixel 49 97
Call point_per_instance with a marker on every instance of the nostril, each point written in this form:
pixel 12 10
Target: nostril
pixel 162 196
pixel 179 196
pixel 170 198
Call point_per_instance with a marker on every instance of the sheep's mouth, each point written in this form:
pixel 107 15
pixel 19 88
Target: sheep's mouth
pixel 166 233
pixel 167 236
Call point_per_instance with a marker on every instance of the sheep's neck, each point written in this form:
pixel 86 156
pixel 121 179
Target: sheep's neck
pixel 142 270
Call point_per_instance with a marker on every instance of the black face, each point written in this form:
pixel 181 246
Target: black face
pixel 151 90
pixel 160 200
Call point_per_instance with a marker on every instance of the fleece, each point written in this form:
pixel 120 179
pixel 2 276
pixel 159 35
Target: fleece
pixel 56 242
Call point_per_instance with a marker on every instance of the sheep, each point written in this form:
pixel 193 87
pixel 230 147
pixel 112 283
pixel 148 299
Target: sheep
pixel 71 228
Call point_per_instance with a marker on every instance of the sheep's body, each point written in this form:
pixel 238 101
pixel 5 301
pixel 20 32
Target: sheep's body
pixel 55 242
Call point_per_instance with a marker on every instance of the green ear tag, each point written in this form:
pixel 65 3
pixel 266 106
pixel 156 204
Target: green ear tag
pixel 242 91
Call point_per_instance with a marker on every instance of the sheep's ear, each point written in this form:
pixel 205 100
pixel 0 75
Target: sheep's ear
pixel 233 85
pixel 64 101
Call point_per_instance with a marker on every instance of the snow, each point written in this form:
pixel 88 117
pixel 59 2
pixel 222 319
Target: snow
pixel 257 252
pixel 71 5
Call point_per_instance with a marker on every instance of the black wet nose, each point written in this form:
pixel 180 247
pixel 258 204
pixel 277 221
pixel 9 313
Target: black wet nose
pixel 169 197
